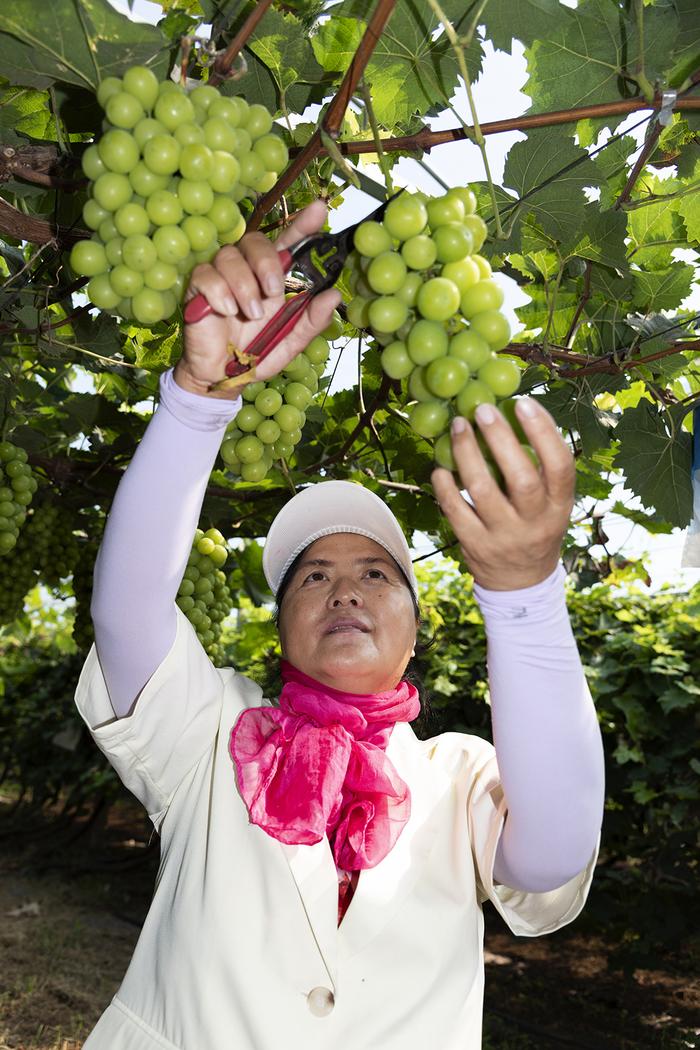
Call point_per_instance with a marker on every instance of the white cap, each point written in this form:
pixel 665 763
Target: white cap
pixel 326 508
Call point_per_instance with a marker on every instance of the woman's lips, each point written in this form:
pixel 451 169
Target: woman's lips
pixel 346 625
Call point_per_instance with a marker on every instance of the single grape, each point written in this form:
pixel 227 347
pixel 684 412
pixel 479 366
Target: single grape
pixel 438 299
pixel 429 418
pixel 111 190
pixel 200 232
pixel 106 88
pixel 93 214
pixel 406 216
pixel 288 417
pixel 248 418
pixel 142 83
pixel 161 154
pixel 502 375
pixel 444 456
pixel 101 293
pixel 268 401
pixel 87 258
pixel 92 164
pixel 189 135
pixel 446 376
pixel 219 135
pixel 371 239
pixel 130 219
pixel 471 348
pixel 478 229
pixel 224 173
pixel 426 341
pixel 493 327
pixel 387 313
pixel 171 243
pixel 408 292
pixel 258 121
pixel 124 110
pixel 395 360
pixel 417 389
pixel 419 252
pixel 453 241
pixel 196 197
pixel 463 272
pixel 163 209
pixel 484 295
pixel 125 282
pixel 272 152
pixel 249 449
pixel 442 210
pixel 145 182
pixel 473 394
pixel 386 273
pixel 147 129
pixel 139 253
pixel 172 109
pixel 160 276
pixel 147 306
pixel 466 196
pixel 118 150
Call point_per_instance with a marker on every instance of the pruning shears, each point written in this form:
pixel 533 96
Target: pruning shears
pixel 320 258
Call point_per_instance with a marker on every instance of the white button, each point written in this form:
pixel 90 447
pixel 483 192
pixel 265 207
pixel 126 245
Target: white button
pixel 321 1001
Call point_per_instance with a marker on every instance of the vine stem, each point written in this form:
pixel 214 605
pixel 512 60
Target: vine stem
pixel 111 361
pixel 458 48
pixel 222 65
pixel 640 75
pixel 381 155
pixel 334 115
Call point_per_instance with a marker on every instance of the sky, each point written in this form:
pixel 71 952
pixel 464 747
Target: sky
pixel 497 94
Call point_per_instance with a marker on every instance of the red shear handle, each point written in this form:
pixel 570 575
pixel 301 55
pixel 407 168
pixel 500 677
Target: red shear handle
pixel 273 333
pixel 198 308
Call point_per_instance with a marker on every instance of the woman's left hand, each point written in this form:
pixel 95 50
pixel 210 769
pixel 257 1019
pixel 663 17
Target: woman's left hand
pixel 510 540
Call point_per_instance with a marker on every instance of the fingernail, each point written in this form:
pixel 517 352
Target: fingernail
pixel 459 425
pixel 485 414
pixel 255 309
pixel 230 305
pixel 525 406
pixel 273 284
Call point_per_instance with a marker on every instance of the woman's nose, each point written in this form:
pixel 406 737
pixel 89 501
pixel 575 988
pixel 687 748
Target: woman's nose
pixel 344 593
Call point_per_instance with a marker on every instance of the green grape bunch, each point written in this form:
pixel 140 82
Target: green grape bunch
pixel 17 487
pixel 269 424
pixel 421 287
pixel 203 595
pixel 166 178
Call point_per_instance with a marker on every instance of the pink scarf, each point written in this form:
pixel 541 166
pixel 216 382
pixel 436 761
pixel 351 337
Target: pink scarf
pixel 316 765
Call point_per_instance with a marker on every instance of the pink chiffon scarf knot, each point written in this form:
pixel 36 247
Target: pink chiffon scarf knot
pixel 316 765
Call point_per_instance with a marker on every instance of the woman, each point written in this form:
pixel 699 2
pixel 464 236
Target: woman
pixel 322 870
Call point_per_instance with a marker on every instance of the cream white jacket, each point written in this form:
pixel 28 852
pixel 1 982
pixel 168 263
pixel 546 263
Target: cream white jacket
pixel 241 949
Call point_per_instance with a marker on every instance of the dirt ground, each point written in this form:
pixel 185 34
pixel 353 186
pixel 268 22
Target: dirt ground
pixel 70 914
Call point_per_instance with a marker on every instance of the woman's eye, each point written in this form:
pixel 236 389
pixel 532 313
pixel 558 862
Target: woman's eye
pixel 317 575
pixel 375 573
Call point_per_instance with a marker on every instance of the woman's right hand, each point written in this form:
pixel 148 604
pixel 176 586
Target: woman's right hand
pixel 244 284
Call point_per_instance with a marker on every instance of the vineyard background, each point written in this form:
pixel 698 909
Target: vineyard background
pixel 598 229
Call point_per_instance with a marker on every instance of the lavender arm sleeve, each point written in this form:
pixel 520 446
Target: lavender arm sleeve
pixel 148 538
pixel 546 735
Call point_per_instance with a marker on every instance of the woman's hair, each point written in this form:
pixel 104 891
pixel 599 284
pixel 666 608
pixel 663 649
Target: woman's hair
pixel 412 673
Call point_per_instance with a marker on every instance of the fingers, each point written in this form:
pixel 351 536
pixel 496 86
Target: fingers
pixel 310 220
pixel 312 322
pixel 558 467
pixel 465 523
pixel 242 275
pixel 525 485
pixel 490 504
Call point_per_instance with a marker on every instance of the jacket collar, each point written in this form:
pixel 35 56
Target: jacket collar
pixel 380 890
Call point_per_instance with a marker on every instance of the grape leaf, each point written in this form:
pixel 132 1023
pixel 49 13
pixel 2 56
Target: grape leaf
pixel 25 112
pixel 553 318
pixel 78 43
pixel 603 240
pixel 283 47
pixel 655 456
pixel 587 50
pixel 571 405
pixel 559 206
pixel 527 21
pixel 689 210
pixel 410 72
pixel 663 289
pixel 656 228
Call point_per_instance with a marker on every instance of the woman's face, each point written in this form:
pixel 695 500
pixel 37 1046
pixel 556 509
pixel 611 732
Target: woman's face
pixel 347 618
